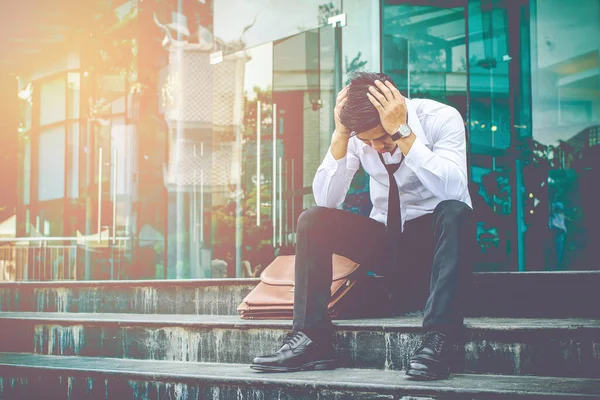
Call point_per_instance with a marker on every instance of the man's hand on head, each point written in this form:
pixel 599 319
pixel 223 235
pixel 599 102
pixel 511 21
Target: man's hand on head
pixel 390 104
pixel 342 97
pixel 341 136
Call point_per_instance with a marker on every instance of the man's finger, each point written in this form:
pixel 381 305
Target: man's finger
pixel 340 96
pixel 340 106
pixel 375 102
pixel 377 94
pixel 394 90
pixel 344 90
pixel 385 90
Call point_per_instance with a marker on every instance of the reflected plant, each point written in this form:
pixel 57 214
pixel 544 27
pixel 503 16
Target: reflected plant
pixel 496 190
pixel 356 64
pixel 256 239
pixel 326 11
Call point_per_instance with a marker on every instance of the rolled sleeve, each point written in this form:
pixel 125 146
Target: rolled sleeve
pixel 442 169
pixel 418 156
pixel 333 178
pixel 331 164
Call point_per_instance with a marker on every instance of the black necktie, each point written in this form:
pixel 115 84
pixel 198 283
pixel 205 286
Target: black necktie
pixel 394 219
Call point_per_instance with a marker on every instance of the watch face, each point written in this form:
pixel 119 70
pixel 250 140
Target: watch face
pixel 404 130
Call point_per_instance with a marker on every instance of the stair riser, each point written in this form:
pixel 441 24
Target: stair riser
pixel 31 384
pixel 188 299
pixel 556 295
pixel 543 352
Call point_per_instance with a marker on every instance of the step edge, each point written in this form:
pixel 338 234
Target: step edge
pixel 133 283
pixel 270 380
pixel 406 323
pixel 248 281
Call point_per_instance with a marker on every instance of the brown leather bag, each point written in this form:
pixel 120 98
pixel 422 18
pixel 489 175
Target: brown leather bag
pixel 273 297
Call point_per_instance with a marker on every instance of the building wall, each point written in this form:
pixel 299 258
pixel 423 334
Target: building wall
pixel 185 187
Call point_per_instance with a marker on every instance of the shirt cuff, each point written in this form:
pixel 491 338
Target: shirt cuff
pixel 331 164
pixel 418 155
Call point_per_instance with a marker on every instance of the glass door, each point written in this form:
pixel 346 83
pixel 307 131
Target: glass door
pixel 304 92
pixel 500 129
pixel 461 53
pixel 492 162
pixel 424 50
pixel 272 124
pixel 110 150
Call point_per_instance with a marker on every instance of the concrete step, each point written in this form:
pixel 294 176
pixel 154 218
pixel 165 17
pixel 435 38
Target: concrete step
pixel 545 347
pixel 199 296
pixel 518 294
pixel 43 376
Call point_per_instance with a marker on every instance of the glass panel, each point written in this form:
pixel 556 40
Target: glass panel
pixel 105 243
pixel 361 51
pixel 299 101
pixel 361 36
pixel 492 168
pixel 235 145
pixel 25 96
pixel 238 25
pixel 73 93
pixel 27 172
pixel 53 101
pixel 27 222
pixel 327 81
pixel 51 173
pixel 242 168
pixel 424 52
pixel 561 212
pixel 123 166
pixel 305 77
pixel 73 155
pixel 111 95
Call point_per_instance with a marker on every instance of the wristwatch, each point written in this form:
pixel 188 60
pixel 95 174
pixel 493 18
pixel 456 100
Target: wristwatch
pixel 402 132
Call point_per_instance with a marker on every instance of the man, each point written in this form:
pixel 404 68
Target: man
pixel 416 232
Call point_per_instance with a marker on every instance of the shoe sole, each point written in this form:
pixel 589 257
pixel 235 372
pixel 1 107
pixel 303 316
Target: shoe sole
pixel 424 376
pixel 312 366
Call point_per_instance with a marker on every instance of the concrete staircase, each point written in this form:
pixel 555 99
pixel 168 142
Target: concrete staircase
pixel 528 335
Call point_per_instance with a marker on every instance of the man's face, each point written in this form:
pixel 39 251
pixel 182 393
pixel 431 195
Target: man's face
pixel 378 139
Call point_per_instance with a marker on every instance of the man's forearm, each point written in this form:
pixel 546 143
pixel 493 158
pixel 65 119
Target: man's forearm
pixel 331 182
pixel 339 145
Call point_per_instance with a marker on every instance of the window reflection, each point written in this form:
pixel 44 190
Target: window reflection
pixel 424 51
pixel 73 94
pixel 52 101
pixel 489 124
pixel 561 214
pixel 243 163
pixel 250 23
pixel 361 36
pixel 51 164
pixel 162 161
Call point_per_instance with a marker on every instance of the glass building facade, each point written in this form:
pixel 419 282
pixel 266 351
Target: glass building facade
pixel 179 139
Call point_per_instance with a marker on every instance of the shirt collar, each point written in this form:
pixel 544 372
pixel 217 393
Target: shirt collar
pixel 414 123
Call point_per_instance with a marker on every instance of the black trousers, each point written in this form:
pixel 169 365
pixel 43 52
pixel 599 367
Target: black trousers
pixel 433 265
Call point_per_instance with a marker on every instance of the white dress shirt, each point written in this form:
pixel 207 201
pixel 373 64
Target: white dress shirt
pixel 434 170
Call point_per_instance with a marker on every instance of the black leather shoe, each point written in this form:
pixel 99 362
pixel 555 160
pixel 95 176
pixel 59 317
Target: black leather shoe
pixel 429 361
pixel 298 353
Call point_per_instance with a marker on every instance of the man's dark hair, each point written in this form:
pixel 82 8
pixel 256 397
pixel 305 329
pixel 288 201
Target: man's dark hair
pixel 359 114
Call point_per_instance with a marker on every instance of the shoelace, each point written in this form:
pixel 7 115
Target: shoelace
pixel 434 340
pixel 292 338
